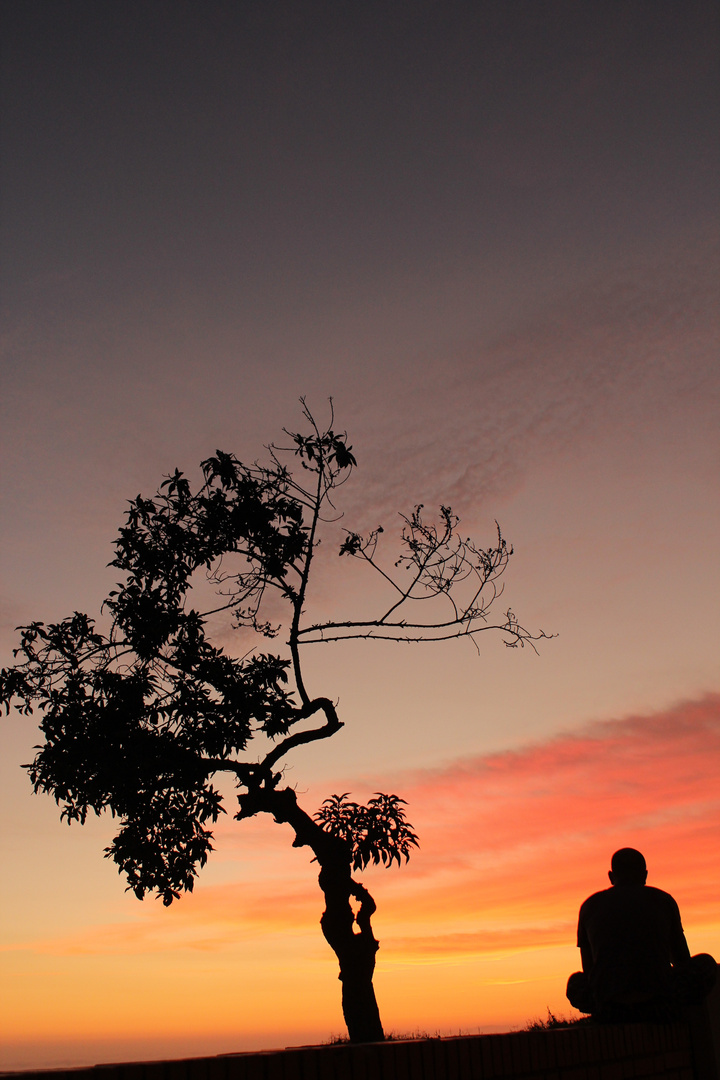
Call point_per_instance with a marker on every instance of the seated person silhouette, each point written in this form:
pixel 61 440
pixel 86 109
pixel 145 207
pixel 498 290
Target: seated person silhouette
pixel 636 962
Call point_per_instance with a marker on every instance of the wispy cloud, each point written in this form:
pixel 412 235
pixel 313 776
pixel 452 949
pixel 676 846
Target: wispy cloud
pixel 545 377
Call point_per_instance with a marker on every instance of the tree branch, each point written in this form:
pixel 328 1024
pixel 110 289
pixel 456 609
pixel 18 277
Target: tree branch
pixel 300 599
pixel 519 634
pixel 244 772
pixel 299 738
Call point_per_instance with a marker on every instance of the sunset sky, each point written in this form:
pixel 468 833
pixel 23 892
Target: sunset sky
pixel 489 230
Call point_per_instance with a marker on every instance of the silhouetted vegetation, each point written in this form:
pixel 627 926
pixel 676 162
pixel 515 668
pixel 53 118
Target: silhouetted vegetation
pixel 553 1021
pixel 139 719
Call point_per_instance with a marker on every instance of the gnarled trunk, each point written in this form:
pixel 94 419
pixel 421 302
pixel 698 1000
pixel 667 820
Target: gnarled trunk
pixel 350 936
pixel 354 948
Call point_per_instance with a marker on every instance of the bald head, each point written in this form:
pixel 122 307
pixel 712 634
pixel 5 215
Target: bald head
pixel 628 867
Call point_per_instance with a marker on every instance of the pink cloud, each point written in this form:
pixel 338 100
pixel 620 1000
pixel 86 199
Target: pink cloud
pixel 520 838
pixel 639 774
pixel 511 843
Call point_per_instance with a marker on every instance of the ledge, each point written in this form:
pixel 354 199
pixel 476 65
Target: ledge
pixel 686 1050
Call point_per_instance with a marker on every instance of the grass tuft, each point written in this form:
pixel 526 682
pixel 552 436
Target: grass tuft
pixel 554 1021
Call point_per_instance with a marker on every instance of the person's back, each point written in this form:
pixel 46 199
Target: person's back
pixel 634 936
pixel 636 962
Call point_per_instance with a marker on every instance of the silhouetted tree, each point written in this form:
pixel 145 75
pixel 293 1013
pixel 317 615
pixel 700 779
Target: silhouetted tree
pixel 138 720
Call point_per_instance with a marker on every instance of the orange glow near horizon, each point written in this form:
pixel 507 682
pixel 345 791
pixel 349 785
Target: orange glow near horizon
pixel 478 931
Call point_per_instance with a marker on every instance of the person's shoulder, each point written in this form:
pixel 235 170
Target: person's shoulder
pixel 593 901
pixel 660 897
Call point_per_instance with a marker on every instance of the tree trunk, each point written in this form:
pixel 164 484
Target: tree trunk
pixel 349 936
pixel 355 950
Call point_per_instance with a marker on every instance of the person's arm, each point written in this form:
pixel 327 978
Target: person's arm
pixel 584 945
pixel 587 958
pixel 679 951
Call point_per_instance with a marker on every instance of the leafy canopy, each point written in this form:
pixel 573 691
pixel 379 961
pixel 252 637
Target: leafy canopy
pixel 138 720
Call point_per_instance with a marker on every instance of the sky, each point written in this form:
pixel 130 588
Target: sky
pixel 489 232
